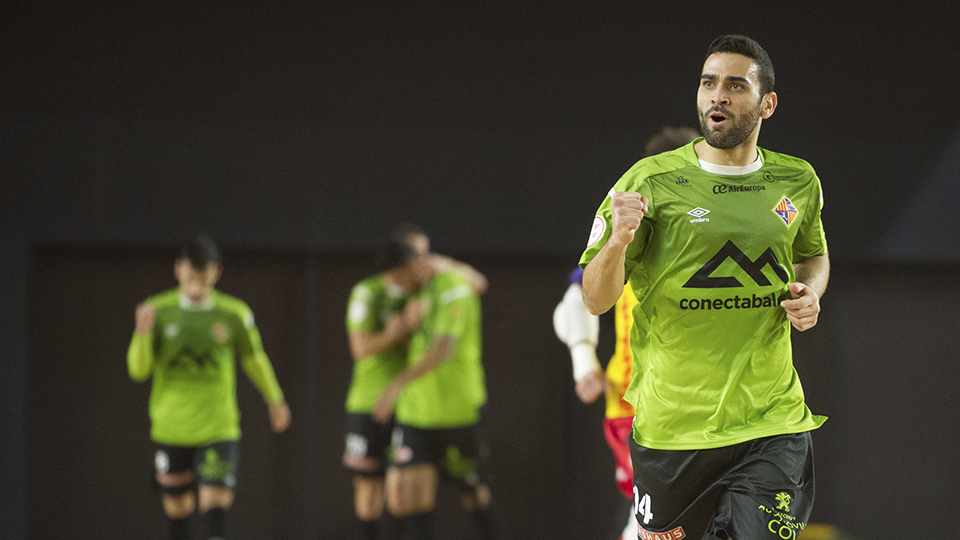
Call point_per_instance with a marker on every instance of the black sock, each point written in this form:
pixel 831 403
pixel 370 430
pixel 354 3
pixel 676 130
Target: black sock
pixel 419 526
pixel 368 529
pixel 393 526
pixel 488 522
pixel 216 520
pixel 180 528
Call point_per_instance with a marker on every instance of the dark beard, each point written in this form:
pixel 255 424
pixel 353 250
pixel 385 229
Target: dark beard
pixel 740 129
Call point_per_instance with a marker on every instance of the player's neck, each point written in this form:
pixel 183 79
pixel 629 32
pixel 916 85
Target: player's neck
pixel 738 156
pixel 204 304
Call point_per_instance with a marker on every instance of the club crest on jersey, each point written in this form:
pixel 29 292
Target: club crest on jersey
pixel 786 211
pixel 596 232
pixel 220 332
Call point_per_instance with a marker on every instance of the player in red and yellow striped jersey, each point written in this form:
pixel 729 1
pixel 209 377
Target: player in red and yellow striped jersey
pixel 579 330
pixel 618 420
pixel 576 327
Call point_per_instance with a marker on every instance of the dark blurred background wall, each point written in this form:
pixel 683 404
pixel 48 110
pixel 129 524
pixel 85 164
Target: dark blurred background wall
pixel 297 133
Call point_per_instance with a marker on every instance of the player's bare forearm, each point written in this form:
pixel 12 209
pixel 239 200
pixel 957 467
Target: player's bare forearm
pixel 603 278
pixel 477 280
pixel 803 306
pixel 439 350
pixel 814 273
pixel 363 343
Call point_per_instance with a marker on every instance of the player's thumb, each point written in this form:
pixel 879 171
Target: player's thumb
pixel 796 289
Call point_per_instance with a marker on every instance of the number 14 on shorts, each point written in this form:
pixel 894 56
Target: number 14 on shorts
pixel 642 505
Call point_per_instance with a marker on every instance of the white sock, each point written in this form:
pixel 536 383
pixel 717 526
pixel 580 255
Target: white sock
pixel 630 532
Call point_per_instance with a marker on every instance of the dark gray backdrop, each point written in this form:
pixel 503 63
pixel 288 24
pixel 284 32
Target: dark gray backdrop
pixel 297 133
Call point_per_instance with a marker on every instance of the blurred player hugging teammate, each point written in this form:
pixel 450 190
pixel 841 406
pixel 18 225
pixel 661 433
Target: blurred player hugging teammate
pixel 382 315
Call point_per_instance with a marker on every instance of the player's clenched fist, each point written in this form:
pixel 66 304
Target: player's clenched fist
pixel 145 316
pixel 627 208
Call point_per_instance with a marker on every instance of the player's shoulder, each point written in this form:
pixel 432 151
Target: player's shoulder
pixel 450 285
pixel 666 163
pixel 369 284
pixel 771 158
pixel 369 289
pixel 229 303
pixel 168 298
pixel 447 278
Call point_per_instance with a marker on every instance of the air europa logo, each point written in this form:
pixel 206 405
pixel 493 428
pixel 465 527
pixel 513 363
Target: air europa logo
pixel 722 189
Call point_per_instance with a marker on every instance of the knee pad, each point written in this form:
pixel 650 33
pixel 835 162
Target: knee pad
pixel 178 490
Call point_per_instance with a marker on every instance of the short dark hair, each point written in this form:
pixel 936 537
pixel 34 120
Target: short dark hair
pixel 201 251
pixel 745 46
pixel 669 138
pixel 406 230
pixel 394 251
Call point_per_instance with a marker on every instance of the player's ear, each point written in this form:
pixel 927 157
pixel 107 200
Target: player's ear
pixel 217 273
pixel 768 105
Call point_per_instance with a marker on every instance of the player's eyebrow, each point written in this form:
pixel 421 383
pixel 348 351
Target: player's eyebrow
pixel 731 78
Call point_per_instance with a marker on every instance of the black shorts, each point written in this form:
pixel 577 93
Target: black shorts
pixel 367 444
pixel 756 490
pixel 215 464
pixel 455 451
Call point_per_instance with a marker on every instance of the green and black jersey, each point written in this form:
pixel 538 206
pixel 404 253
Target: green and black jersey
pixel 372 302
pixel 450 395
pixel 190 354
pixel 709 265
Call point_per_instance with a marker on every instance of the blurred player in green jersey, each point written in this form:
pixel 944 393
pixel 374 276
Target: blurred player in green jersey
pixel 379 325
pixel 187 340
pixel 722 244
pixel 436 399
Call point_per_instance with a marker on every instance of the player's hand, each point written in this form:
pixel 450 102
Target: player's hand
pixel 591 386
pixel 397 327
pixel 439 263
pixel 146 315
pixel 426 266
pixel 280 417
pixel 411 315
pixel 803 309
pixel 383 408
pixel 628 209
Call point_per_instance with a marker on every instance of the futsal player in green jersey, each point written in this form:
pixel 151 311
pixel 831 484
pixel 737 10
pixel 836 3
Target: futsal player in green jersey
pixel 379 324
pixel 187 340
pixel 438 397
pixel 722 243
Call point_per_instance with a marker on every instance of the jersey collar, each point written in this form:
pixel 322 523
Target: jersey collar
pixel 190 305
pixel 727 170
